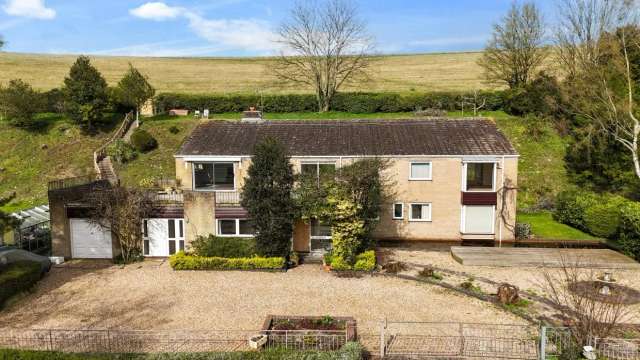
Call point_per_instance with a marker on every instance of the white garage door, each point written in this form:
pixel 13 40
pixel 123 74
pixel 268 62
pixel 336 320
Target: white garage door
pixel 478 219
pixel 89 241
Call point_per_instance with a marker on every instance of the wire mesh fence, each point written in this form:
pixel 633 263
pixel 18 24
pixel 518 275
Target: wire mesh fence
pixel 616 349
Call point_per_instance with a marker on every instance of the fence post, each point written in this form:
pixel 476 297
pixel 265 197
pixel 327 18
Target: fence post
pixel 50 340
pixel 108 341
pixel 543 342
pixel 382 339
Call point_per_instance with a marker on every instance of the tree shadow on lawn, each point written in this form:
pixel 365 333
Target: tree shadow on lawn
pixel 48 306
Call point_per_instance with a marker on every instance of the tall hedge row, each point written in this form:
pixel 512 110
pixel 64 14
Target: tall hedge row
pixel 602 215
pixel 353 102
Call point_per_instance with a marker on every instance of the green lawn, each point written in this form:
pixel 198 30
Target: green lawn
pixel 543 226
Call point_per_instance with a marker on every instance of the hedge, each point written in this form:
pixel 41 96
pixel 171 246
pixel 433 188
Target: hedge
pixel 222 246
pixel 350 351
pixel 182 261
pixel 364 262
pixel 353 102
pixel 16 278
pixel 607 216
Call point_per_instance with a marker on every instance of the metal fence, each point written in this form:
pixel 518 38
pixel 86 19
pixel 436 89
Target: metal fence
pixel 458 340
pixel 616 349
pixel 159 341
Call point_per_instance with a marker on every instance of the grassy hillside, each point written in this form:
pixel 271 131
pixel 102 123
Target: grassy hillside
pixel 28 166
pixel 426 72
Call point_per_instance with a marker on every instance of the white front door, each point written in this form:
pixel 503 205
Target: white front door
pixel 89 241
pixel 163 237
pixel 478 219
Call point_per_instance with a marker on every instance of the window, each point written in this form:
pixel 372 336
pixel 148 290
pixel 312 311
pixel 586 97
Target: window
pixel 420 212
pixel 172 229
pixel 320 229
pixel 145 228
pixel 480 176
pixel 398 211
pixel 321 171
pixel 145 245
pixel 235 227
pixel 420 171
pixel 213 176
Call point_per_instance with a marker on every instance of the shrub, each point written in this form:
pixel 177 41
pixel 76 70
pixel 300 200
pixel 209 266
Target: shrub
pixel 143 141
pixel 182 261
pixel 523 231
pixel 356 102
pixel 174 129
pixel 430 273
pixel 630 229
pixel 20 103
pixel 571 206
pixel 365 261
pixel 543 96
pixel 394 267
pixel 430 113
pixel 16 278
pixel 338 263
pixel 603 218
pixel 226 247
pixel 121 151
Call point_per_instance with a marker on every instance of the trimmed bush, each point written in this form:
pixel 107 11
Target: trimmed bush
pixel 226 247
pixel 603 219
pixel 571 206
pixel 354 102
pixel 121 151
pixel 16 278
pixel 182 261
pixel 630 229
pixel 365 261
pixel 143 141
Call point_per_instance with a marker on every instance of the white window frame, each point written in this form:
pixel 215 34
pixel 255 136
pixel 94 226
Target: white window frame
pixel 317 237
pixel 416 162
pixel 237 234
pixel 464 175
pixel 422 204
pixel 393 211
pixel 193 175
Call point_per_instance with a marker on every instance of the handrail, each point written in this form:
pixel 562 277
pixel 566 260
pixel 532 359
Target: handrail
pixel 101 152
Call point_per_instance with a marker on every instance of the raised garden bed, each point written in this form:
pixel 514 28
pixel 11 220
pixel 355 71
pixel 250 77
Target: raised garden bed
pixel 309 332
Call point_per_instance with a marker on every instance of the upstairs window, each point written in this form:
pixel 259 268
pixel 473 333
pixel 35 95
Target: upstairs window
pixel 320 171
pixel 420 171
pixel 213 176
pixel 480 176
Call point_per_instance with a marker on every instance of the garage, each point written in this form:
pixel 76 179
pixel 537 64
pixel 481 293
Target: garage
pixel 89 241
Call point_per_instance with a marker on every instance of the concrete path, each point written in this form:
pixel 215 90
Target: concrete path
pixel 546 257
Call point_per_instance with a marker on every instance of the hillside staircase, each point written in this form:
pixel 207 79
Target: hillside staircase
pixel 102 162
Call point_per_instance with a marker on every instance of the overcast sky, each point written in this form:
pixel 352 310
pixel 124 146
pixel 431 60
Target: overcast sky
pixel 234 27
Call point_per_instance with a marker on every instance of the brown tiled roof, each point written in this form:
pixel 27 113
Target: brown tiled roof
pixel 352 137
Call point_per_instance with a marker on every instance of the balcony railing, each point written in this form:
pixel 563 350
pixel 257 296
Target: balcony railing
pixel 230 198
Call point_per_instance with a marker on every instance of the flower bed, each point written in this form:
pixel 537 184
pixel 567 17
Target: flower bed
pixel 183 261
pixel 309 332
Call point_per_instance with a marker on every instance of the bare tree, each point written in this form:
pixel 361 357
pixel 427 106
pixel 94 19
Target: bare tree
pixel 326 46
pixel 122 211
pixel 575 292
pixel 516 49
pixel 594 46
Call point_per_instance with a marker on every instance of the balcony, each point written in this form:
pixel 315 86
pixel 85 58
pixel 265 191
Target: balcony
pixel 228 198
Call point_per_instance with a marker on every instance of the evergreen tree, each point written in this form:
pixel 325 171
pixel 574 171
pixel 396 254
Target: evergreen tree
pixel 134 89
pixel 20 103
pixel 85 92
pixel 267 197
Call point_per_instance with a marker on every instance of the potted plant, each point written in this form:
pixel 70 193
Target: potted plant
pixel 326 261
pixel 257 341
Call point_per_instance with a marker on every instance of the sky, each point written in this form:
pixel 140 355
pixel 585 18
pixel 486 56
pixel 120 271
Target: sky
pixel 234 27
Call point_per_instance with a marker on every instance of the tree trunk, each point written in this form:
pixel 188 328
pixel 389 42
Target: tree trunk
pixel 635 156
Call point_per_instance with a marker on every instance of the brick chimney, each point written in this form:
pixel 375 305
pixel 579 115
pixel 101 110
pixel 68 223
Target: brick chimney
pixel 252 116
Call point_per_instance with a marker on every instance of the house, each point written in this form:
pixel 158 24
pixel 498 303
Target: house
pixel 453 180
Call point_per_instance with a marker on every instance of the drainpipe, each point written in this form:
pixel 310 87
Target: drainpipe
pixel 500 218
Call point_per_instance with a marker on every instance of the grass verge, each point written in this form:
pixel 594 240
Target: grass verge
pixel 543 226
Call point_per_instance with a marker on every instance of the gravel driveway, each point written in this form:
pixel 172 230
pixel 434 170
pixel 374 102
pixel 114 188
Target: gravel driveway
pixel 151 295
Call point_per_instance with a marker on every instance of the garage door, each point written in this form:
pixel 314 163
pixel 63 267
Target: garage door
pixel 89 241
